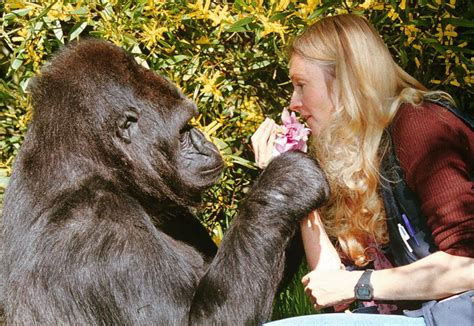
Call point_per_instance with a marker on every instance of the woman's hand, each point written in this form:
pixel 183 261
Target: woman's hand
pixel 325 265
pixel 330 287
pixel 263 141
pixel 436 276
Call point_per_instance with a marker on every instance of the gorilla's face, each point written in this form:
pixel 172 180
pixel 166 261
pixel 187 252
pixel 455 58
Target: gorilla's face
pixel 198 161
pixel 123 121
pixel 185 159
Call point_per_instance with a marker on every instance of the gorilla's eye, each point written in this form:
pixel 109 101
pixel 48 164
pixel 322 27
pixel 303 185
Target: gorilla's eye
pixel 184 134
pixel 185 129
pixel 129 118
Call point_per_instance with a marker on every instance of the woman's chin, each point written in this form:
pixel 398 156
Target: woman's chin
pixel 314 126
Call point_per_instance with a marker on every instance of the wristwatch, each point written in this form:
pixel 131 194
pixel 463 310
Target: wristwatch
pixel 363 289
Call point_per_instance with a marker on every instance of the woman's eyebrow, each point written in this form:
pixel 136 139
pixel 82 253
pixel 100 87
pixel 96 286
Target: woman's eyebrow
pixel 296 77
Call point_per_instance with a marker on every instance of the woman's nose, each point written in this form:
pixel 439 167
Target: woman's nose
pixel 295 103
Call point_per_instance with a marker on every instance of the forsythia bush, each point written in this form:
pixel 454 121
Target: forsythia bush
pixel 228 56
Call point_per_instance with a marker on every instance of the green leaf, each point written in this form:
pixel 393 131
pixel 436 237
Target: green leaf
pixel 17 13
pixel 243 162
pixel 16 64
pixel 460 22
pixel 58 31
pixel 4 181
pixel 222 146
pixel 239 25
pixel 260 64
pixel 77 30
pixel 81 11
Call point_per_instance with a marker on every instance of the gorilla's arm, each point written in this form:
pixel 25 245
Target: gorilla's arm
pixel 241 282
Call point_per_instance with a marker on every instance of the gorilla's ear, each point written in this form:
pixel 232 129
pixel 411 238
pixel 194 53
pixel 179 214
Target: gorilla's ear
pixel 127 124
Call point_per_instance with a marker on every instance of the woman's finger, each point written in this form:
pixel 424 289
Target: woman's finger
pixel 256 138
pixel 266 150
pixel 305 280
pixel 262 142
pixel 261 129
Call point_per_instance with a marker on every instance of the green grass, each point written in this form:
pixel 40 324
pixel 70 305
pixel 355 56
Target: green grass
pixel 292 301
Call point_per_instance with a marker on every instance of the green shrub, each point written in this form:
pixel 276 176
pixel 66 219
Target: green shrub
pixel 228 56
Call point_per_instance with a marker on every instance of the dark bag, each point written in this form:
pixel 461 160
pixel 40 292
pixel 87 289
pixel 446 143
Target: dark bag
pixel 411 239
pixel 453 311
pixel 410 236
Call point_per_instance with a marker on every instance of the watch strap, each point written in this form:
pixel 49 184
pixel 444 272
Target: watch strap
pixel 363 289
pixel 365 277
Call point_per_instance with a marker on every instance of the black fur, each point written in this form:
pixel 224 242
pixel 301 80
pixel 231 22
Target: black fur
pixel 97 226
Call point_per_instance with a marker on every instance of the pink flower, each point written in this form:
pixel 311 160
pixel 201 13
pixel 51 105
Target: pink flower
pixel 291 136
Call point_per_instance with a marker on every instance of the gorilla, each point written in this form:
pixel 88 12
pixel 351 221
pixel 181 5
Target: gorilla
pixel 99 223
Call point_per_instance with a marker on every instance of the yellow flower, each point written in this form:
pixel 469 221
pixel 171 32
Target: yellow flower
pixel 372 4
pixel 463 65
pixel 417 62
pixel 211 86
pixel 217 234
pixel 454 82
pixel 417 47
pixel 211 129
pixel 272 27
pixel 280 4
pixel 203 40
pixel 403 4
pixel 449 31
pixel 220 15
pixel 152 34
pixel 393 15
pixel 447 68
pixel 200 9
pixel 469 80
pixel 154 7
pixel 305 9
pixel 411 31
pixel 60 11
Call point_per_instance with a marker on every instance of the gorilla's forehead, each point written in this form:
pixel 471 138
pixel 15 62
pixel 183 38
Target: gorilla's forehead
pixel 99 69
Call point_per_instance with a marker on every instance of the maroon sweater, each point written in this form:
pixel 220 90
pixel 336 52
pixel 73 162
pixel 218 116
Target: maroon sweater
pixel 436 153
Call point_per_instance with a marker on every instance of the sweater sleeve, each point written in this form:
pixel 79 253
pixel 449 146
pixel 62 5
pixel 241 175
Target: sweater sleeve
pixel 436 153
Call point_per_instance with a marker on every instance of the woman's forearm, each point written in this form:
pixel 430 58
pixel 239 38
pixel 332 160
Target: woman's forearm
pixel 436 276
pixel 320 252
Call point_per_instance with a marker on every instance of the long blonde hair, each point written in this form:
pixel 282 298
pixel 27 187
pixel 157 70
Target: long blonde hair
pixel 367 87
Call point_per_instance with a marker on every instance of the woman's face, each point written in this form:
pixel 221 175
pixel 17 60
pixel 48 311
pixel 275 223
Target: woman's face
pixel 310 95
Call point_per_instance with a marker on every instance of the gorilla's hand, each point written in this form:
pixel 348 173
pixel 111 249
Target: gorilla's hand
pixel 293 184
pixel 289 189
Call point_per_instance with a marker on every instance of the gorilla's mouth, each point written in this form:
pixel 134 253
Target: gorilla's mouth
pixel 214 172
pixel 217 169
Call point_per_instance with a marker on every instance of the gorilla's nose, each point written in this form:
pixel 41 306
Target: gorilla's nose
pixel 202 144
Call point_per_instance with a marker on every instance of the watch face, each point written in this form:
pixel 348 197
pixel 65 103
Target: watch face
pixel 363 289
pixel 364 292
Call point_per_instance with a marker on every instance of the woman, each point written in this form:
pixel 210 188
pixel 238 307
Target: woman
pixel 349 90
